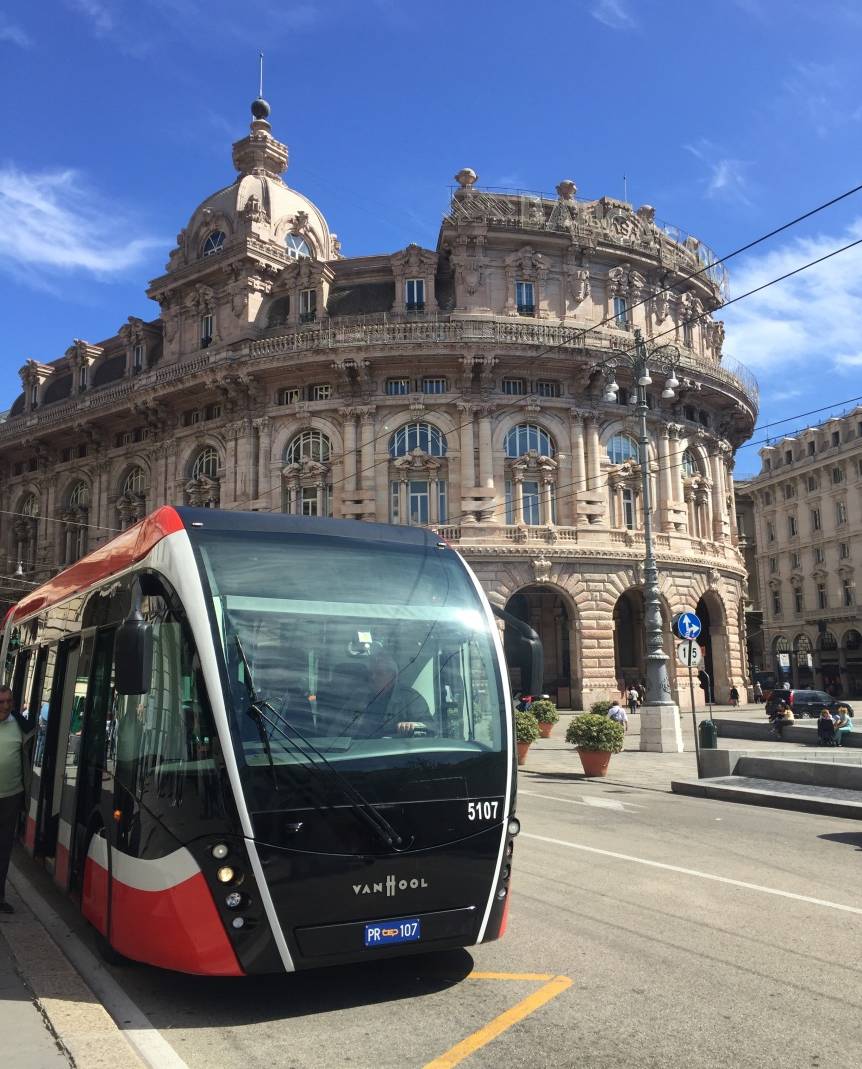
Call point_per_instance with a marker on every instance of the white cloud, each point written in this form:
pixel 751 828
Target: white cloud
pixel 613 13
pixel 98 14
pixel 726 178
pixel 805 330
pixel 50 222
pixel 13 34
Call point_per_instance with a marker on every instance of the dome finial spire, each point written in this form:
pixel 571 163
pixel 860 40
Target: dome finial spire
pixel 259 108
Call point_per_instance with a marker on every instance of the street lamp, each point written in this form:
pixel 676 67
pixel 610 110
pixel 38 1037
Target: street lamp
pixel 642 362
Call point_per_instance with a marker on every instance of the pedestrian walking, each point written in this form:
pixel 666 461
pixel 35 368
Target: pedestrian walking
pixel 642 692
pixel 616 712
pixel 633 699
pixel 758 691
pixel 734 697
pixel 13 735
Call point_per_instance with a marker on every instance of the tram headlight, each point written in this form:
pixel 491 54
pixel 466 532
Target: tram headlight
pixel 238 922
pixel 514 826
pixel 220 851
pixel 233 900
pixel 225 874
pixel 501 894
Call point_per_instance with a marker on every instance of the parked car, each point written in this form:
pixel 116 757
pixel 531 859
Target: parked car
pixel 805 702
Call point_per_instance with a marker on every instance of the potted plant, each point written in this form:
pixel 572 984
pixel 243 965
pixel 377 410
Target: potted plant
pixel 526 732
pixel 596 738
pixel 545 712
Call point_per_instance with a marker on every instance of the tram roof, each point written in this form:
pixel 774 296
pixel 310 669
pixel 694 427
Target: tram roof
pixel 136 542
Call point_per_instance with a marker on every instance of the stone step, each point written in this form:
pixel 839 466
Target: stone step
pixel 778 794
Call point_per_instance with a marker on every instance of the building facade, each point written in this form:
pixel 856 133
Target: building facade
pixel 807 509
pixel 459 387
pixel 758 660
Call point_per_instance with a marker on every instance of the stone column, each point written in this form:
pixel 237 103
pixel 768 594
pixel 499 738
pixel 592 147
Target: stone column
pixel 594 463
pixel 547 508
pixel 718 518
pixel 349 417
pixel 264 459
pixel 664 477
pixel 486 454
pixel 677 450
pixel 433 500
pixel 403 501
pixel 468 445
pixel 366 475
pixel 579 468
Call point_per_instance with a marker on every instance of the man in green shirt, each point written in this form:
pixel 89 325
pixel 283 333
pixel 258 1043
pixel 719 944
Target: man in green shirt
pixel 11 785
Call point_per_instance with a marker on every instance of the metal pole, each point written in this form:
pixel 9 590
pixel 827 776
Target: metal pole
pixel 658 685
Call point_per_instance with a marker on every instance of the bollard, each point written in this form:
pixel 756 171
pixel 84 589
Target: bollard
pixel 708 734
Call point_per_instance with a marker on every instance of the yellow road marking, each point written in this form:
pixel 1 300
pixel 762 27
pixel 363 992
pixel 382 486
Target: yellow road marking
pixel 555 986
pixel 510 976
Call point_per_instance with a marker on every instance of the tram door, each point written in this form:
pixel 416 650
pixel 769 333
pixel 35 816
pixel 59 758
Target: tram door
pixel 48 761
pixel 65 795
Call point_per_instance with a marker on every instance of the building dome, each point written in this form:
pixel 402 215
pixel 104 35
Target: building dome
pixel 258 204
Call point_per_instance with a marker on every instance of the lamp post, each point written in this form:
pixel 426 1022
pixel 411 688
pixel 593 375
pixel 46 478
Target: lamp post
pixel 659 716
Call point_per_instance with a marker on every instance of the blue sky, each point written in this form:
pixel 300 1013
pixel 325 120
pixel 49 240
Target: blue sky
pixel 729 116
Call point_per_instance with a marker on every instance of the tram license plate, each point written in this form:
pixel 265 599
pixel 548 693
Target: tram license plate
pixel 383 933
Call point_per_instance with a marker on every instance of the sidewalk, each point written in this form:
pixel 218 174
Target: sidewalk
pixel 554 758
pixel 27 1041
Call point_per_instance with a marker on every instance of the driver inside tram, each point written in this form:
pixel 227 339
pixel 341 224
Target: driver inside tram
pixel 377 703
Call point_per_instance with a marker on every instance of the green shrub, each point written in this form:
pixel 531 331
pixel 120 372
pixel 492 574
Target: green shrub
pixel 600 708
pixel 526 727
pixel 545 711
pixel 590 731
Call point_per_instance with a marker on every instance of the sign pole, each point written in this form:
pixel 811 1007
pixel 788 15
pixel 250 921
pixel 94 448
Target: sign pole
pixel 693 713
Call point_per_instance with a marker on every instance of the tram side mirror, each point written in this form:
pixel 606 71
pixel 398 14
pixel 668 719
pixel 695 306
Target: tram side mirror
pixel 523 648
pixel 133 655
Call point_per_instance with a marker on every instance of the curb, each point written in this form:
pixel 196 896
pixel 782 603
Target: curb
pixel 76 994
pixel 768 799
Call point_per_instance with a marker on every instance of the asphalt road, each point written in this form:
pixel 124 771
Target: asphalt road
pixel 630 894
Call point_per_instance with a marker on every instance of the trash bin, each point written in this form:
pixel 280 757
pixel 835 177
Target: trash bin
pixel 708 735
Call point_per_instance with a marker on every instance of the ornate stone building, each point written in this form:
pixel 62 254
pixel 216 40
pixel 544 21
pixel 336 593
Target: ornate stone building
pixel 807 509
pixel 457 387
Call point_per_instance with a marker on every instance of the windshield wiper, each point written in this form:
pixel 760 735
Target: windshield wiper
pixel 252 709
pixel 306 749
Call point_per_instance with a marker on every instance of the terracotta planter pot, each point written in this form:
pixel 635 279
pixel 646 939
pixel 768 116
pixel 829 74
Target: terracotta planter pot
pixel 523 747
pixel 545 729
pixel 595 762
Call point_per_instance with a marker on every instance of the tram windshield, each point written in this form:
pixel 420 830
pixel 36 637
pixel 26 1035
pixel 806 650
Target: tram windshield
pixel 368 653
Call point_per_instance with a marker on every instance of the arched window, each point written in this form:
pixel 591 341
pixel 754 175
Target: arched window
pixel 828 641
pixel 214 243
pixel 26 529
pixel 206 463
pixel 802 644
pixel 420 436
pixel 79 496
pixel 307 479
pixel 134 482
pixel 309 445
pixel 526 438
pixel 622 448
pixel 689 464
pixel 29 506
pixel 296 246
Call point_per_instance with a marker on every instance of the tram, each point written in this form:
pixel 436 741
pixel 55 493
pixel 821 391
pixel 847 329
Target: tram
pixel 269 742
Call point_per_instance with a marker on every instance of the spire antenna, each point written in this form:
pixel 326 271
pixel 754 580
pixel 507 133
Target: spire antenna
pixel 260 61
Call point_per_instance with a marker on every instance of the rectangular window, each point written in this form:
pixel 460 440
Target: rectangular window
pixel 441 501
pixel 524 298
pixel 129 437
pixel 628 500
pixel 34 396
pixel 418 502
pixel 822 599
pixel 394 502
pixel 532 509
pixel 847 591
pixel 687 335
pixel 66 455
pixel 433 385
pixel 791 526
pixel 212 412
pixel 690 413
pixel 789 491
pixel 798 601
pixel 773 564
pixel 843 550
pixel 795 561
pixel 309 500
pixel 770 531
pixel 414 294
pixel 206 330
pixel 397 387
pixel 621 311
pixel 191 417
pixel 788 456
pixel 288 397
pixel 547 388
pixel 307 306
pixel 815 519
pixel 776 603
pixel 321 392
pixel 812 482
pixel 812 448
pixel 82 377
pixel 514 387
pixel 840 513
pixel 836 437
pixel 818 555
pixel 137 358
pixel 837 476
pixel 859 429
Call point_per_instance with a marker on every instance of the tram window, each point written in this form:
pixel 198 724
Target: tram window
pixel 165 739
pixel 40 699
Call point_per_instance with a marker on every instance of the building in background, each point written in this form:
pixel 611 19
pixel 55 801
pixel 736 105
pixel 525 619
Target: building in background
pixel 807 508
pixel 456 387
pixel 758 661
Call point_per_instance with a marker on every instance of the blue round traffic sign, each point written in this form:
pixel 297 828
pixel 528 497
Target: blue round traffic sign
pixel 688 626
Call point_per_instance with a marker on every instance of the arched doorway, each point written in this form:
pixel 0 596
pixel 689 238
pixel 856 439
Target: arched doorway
pixel 852 644
pixel 546 610
pixel 713 642
pixel 803 662
pixel 630 640
pixel 828 666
